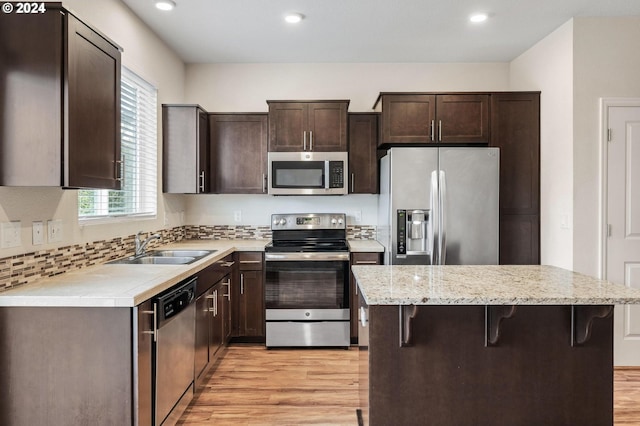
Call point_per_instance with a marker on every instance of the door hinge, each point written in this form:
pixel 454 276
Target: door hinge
pixel 608 135
pixel 608 230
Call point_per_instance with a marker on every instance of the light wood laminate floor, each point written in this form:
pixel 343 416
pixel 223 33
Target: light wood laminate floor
pixel 255 386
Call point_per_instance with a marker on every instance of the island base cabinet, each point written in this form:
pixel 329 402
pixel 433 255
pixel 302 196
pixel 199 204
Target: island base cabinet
pixel 68 366
pixel 445 375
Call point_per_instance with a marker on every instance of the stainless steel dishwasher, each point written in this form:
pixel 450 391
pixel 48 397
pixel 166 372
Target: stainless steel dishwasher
pixel 174 352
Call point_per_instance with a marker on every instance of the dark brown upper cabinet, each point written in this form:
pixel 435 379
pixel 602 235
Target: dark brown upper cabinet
pixel 363 144
pixel 59 102
pixel 308 125
pixel 238 145
pixel 185 137
pixel 424 118
pixel 515 129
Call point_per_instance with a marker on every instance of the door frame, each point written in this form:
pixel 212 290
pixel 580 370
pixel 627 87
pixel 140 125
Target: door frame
pixel 605 104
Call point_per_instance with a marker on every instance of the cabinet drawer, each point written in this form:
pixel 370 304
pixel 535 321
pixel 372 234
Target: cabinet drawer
pixel 365 258
pixel 250 260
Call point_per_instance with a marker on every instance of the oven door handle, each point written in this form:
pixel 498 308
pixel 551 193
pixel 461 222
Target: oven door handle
pixel 315 256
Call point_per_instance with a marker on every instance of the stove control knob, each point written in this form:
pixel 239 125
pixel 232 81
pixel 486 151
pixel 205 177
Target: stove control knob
pixel 275 221
pixel 340 221
pixel 283 221
pixel 334 221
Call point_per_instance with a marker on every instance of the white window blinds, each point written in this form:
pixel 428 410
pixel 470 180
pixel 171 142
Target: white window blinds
pixel 138 197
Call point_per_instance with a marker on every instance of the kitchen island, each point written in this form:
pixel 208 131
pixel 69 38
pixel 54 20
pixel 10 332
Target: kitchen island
pixel 486 345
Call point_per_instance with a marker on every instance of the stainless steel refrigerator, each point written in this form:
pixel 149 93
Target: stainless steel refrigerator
pixel 439 206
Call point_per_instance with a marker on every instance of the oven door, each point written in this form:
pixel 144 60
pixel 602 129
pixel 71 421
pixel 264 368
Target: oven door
pixel 303 284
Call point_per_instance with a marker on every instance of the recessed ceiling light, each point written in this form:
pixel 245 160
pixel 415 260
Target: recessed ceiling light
pixel 293 18
pixel 165 4
pixel 478 17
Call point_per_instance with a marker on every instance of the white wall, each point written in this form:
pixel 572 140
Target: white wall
pixel 145 54
pixel 606 64
pixel 548 67
pixel 247 87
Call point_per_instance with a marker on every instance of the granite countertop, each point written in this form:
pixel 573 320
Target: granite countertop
pixel 120 285
pixel 365 246
pixel 486 285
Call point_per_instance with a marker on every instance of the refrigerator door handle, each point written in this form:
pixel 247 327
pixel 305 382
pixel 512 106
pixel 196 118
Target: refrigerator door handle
pixel 442 202
pixel 434 219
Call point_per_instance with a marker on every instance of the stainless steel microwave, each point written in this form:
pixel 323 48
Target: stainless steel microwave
pixel 307 173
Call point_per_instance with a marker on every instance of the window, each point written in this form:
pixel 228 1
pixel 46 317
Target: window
pixel 139 109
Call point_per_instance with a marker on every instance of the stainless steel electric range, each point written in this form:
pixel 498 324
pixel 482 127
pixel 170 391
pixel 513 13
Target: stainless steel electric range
pixel 307 281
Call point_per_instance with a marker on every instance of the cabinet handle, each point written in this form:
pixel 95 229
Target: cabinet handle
pixel 264 183
pixel 214 304
pixel 304 140
pixel 363 316
pixel 353 179
pixel 228 286
pixel 202 181
pixel 155 321
pixel 366 262
pixel 310 140
pixel 119 170
pixel 251 261
pixel 226 264
pixel 439 130
pixel 433 129
pixel 241 283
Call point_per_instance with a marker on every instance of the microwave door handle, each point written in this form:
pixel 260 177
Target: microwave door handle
pixel 326 174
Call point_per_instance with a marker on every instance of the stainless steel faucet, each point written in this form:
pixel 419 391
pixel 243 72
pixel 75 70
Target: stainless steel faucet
pixel 140 246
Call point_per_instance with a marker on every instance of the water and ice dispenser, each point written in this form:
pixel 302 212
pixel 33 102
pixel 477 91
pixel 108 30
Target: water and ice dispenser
pixel 414 232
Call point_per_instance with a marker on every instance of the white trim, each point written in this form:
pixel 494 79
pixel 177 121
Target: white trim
pixel 605 104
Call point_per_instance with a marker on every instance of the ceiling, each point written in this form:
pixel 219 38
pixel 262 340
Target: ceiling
pixel 240 31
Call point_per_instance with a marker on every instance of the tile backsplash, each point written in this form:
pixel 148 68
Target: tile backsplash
pixel 25 268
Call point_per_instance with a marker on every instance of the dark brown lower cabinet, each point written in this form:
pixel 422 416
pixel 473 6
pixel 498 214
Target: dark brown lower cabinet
pixel 75 365
pixel 533 375
pixel 248 293
pixel 359 258
pixel 212 315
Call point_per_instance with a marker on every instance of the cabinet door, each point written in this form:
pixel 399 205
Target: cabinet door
pixel 226 309
pixel 203 319
pixel 143 412
pixel 363 162
pixel 31 106
pixel 408 119
pixel 92 153
pixel 358 259
pixel 251 315
pixel 185 140
pixel 462 118
pixel 515 129
pixel 239 153
pixel 327 126
pixel 288 126
pixel 215 307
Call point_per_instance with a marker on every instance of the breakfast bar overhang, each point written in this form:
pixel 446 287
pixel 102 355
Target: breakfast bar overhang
pixel 486 345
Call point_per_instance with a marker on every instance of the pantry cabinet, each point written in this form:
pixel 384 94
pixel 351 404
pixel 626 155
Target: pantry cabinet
pixel 515 129
pixel 308 126
pixel 59 102
pixel 425 118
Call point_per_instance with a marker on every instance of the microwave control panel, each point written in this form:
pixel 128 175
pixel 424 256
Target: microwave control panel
pixel 336 174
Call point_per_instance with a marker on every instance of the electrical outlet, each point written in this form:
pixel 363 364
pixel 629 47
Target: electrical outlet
pixel 237 216
pixel 37 233
pixel 358 215
pixel 11 234
pixel 54 230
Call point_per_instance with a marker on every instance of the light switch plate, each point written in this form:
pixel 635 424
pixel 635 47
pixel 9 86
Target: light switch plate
pixel 37 233
pixel 358 215
pixel 237 215
pixel 54 231
pixel 11 234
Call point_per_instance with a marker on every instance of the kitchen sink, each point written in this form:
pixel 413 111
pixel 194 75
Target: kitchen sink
pixel 164 257
pixel 181 253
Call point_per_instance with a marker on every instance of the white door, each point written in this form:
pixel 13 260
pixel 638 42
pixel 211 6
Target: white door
pixel 622 227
